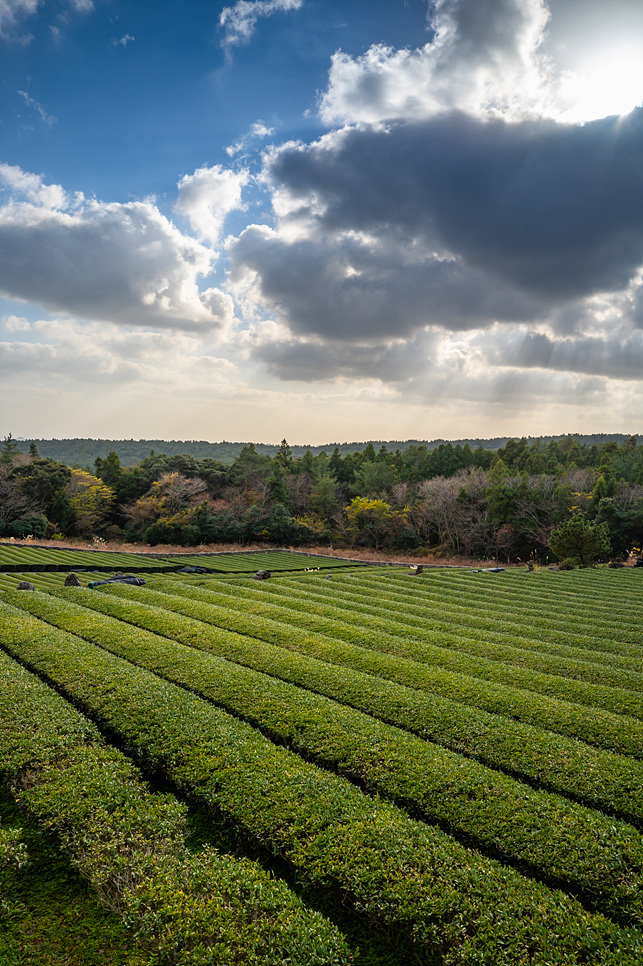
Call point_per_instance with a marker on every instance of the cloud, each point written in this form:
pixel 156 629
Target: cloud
pixel 257 130
pixel 44 116
pixel 452 223
pixel 66 351
pixel 450 215
pixel 455 238
pixel 208 195
pixel 122 41
pixel 35 360
pixel 555 209
pixel 348 287
pixel 12 13
pixel 613 357
pixel 16 323
pixel 483 58
pixel 491 373
pixel 123 263
pixel 239 21
pixel 305 360
pixel 14 181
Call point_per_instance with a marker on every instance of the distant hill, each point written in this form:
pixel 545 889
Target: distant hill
pixel 83 452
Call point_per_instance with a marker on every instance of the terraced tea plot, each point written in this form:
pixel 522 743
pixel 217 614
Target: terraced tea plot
pixel 26 559
pixel 456 757
pixel 276 561
pixel 23 558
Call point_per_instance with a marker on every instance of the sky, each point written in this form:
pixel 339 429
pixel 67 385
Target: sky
pixel 323 220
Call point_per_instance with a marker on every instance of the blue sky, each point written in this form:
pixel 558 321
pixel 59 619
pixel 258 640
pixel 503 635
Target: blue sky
pixel 321 220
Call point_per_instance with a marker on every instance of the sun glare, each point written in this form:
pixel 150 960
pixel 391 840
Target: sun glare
pixel 609 85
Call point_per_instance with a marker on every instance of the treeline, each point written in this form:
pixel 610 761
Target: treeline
pixel 503 503
pixel 83 452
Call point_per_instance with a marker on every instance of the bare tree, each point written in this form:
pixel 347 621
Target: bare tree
pixel 627 494
pixel 299 487
pixel 435 515
pixel 474 527
pixel 400 494
pixel 537 511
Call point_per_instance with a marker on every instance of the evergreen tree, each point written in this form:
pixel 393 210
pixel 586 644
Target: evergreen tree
pixel 8 449
pixel 580 540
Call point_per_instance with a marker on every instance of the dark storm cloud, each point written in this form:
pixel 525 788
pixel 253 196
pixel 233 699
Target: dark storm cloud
pixel 616 358
pixel 356 289
pixel 299 360
pixel 637 309
pixel 555 209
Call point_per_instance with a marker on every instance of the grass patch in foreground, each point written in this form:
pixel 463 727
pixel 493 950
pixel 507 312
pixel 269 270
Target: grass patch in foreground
pixel 48 915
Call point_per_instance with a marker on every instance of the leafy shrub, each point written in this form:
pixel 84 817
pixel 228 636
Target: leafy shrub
pixel 129 844
pixel 411 881
pixel 30 523
pixel 13 852
pixel 569 563
pixel 580 538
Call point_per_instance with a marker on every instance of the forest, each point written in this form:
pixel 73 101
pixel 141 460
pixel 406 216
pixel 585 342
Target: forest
pixel 526 500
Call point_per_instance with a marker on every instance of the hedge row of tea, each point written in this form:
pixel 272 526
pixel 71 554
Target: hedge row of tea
pixel 308 662
pixel 557 841
pixel 410 634
pixel 273 560
pixel 603 729
pixel 18 559
pixel 129 843
pixel 589 775
pixel 27 559
pixel 409 879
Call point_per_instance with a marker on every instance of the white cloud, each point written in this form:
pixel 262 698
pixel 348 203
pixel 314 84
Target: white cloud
pixel 208 195
pixel 122 41
pixel 12 13
pixel 123 263
pixel 67 351
pixel 483 59
pixel 16 323
pixel 87 379
pixel 258 130
pixel 31 102
pixel 15 181
pixel 239 21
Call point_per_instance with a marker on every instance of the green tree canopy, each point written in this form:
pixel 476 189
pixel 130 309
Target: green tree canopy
pixel 580 539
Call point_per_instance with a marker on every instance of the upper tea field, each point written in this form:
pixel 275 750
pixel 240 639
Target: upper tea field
pixel 349 765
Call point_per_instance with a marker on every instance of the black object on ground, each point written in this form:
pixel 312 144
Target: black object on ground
pixel 122 579
pixel 195 570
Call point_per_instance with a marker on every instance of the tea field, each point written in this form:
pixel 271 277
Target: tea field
pixel 34 559
pixel 349 764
